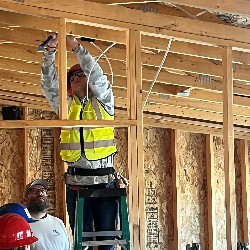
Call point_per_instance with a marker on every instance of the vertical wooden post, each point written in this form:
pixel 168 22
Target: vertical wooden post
pixel 228 136
pixel 140 141
pixel 245 204
pixel 62 70
pixel 176 188
pixel 132 152
pixel 26 148
pixel 210 193
pixel 135 141
pixel 63 105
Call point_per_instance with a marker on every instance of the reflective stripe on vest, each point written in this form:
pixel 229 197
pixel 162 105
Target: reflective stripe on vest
pixel 87 145
pixel 98 142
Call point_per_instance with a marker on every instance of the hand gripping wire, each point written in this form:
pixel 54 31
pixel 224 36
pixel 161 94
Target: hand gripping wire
pixel 158 72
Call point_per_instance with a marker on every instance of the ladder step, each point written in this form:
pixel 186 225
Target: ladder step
pixel 102 233
pixel 104 242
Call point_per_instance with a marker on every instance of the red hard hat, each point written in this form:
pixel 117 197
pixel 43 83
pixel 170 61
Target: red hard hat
pixel 15 232
pixel 72 70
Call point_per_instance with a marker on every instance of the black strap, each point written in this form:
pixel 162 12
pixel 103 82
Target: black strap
pixel 90 172
pixel 112 192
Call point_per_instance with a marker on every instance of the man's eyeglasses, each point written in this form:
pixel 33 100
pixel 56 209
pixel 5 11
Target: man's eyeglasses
pixel 76 76
pixel 36 191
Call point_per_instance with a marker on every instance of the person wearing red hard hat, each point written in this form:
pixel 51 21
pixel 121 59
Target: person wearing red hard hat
pixel 88 151
pixel 15 232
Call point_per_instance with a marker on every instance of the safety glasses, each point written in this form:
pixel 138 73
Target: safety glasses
pixel 76 76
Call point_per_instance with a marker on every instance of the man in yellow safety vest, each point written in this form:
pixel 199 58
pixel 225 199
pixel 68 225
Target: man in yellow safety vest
pixel 88 151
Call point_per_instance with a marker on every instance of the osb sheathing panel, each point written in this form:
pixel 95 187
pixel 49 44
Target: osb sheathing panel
pixel 58 170
pixel 42 162
pixel 219 186
pixel 238 185
pixel 11 165
pixel 158 181
pixel 193 185
pixel 158 188
pixel 121 157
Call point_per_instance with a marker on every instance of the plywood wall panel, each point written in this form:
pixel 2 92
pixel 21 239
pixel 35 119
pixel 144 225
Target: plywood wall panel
pixel 121 157
pixel 193 183
pixel 219 185
pixel 42 162
pixel 59 184
pixel 11 165
pixel 158 184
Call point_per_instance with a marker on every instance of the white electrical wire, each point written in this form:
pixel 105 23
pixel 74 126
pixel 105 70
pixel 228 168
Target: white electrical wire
pixel 103 53
pixel 158 72
pixel 110 67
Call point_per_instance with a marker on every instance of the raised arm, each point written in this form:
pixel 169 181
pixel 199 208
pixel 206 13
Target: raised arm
pixel 49 79
pixel 98 82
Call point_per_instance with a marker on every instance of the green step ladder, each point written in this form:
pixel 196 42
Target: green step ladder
pixel 122 236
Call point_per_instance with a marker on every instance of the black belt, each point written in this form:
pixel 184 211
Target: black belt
pixel 90 172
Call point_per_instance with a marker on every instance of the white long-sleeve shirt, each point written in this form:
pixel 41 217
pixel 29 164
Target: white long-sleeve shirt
pixel 51 234
pixel 100 88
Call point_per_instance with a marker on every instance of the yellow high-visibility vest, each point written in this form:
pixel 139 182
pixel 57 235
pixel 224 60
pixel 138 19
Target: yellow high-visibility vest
pixel 98 142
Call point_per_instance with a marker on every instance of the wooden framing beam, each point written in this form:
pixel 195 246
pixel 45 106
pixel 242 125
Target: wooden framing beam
pixel 62 55
pixel 117 2
pixel 195 104
pixel 241 7
pixel 228 136
pixel 25 53
pixel 26 149
pixel 132 141
pixel 245 202
pixel 176 189
pixel 65 123
pixel 191 126
pixel 153 23
pixel 179 47
pixel 63 102
pixel 140 139
pixel 211 223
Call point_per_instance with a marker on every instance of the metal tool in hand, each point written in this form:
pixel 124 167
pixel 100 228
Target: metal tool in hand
pixel 45 43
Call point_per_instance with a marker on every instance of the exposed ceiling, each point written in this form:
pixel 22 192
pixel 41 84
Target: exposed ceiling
pixel 189 86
